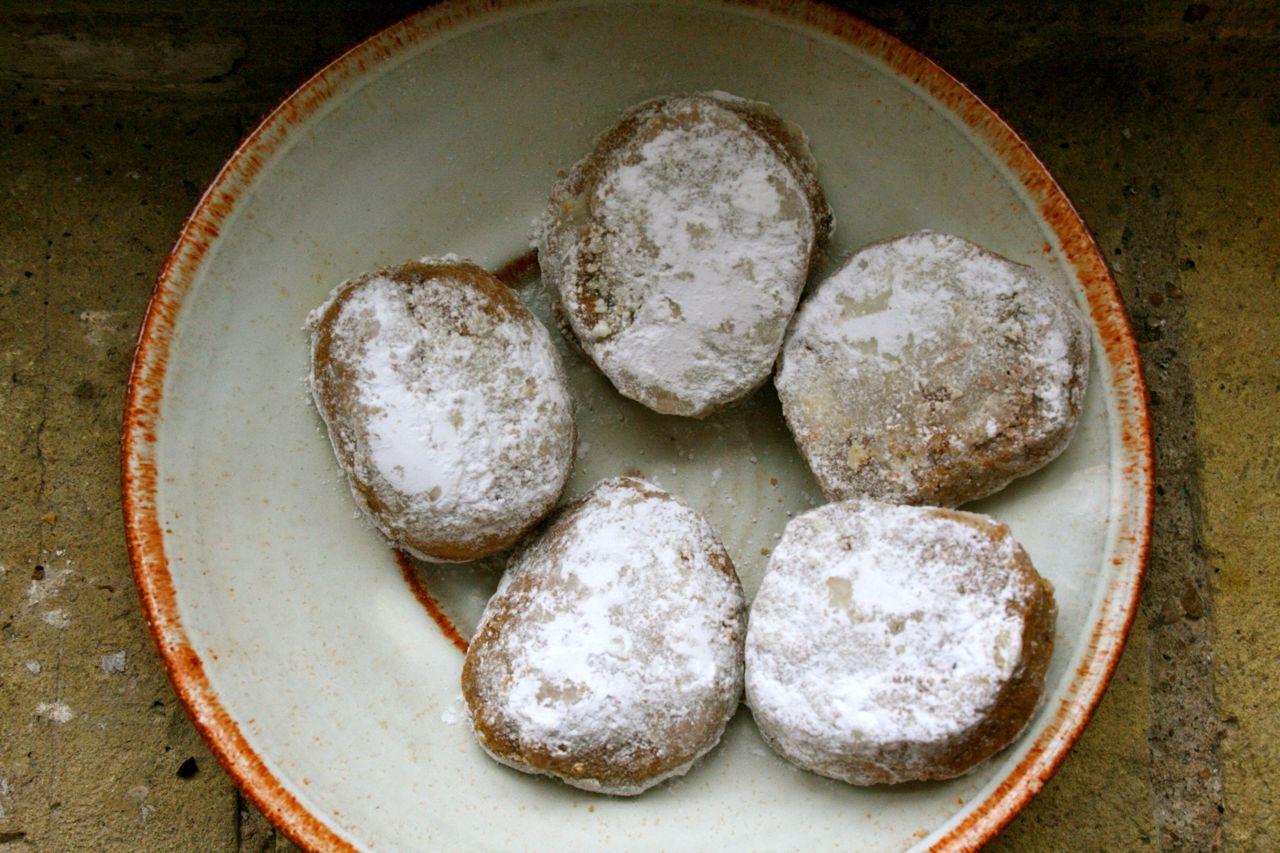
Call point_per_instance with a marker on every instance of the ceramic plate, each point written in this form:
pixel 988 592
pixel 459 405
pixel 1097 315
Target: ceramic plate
pixel 323 673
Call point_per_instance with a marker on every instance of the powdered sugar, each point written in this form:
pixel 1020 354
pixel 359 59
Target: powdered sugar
pixel 409 427
pixel 449 405
pixel 699 241
pixel 877 628
pixel 455 712
pixel 927 370
pixel 615 635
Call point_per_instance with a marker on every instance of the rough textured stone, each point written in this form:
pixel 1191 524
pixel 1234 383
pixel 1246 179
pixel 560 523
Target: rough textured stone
pixel 89 758
pixel 1232 231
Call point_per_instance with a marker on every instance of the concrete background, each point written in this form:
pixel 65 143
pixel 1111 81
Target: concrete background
pixel 1162 122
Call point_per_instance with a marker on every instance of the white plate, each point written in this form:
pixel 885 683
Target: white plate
pixel 321 682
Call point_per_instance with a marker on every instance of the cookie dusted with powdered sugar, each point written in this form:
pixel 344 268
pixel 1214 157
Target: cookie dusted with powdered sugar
pixel 611 654
pixel 892 643
pixel 927 370
pixel 677 249
pixel 446 405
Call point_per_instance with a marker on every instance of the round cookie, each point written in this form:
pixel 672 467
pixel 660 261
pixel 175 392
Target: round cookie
pixel 446 406
pixel 927 370
pixel 611 654
pixel 678 248
pixel 893 643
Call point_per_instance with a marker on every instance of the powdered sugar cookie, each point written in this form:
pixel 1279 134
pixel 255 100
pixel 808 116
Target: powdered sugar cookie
pixel 446 405
pixel 893 643
pixel 678 248
pixel 927 370
pixel 611 654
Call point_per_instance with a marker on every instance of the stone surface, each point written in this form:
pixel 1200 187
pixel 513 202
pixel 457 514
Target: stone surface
pixel 1232 231
pixel 1162 121
pixel 92 207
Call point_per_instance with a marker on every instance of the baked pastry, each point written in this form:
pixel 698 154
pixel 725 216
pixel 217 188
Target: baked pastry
pixel 611 654
pixel 927 370
pixel 446 405
pixel 894 643
pixel 677 249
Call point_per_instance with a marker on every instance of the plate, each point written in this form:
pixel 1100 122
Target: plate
pixel 321 671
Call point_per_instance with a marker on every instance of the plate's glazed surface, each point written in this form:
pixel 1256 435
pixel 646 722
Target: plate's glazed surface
pixel 309 665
